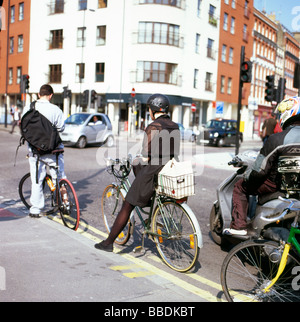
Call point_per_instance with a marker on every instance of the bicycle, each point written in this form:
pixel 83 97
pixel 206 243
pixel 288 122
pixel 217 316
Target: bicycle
pixel 264 270
pixel 63 199
pixel 170 223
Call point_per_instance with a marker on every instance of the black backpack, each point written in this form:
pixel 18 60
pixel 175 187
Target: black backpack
pixel 39 132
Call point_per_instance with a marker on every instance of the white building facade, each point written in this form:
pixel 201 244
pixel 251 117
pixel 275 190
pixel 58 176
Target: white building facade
pixel 114 46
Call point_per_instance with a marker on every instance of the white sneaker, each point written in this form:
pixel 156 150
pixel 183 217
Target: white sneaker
pixel 230 231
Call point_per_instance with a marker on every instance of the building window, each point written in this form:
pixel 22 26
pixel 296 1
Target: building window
pixel 229 85
pixel 102 3
pixel 11 45
pixel 233 4
pixel 101 36
pixel 246 10
pixel 156 72
pixel 19 74
pixel 230 56
pixel 232 26
pixel 12 14
pixel 21 11
pixel 197 46
pixel 20 43
pixel 10 76
pixel 225 22
pixel 80 73
pixel 245 33
pixel 55 74
pixel 56 6
pixel 196 75
pixel 158 33
pixel 199 8
pixel 56 39
pixel 210 48
pixel 222 88
pixel 224 50
pixel 175 3
pixel 212 19
pixel 208 82
pixel 81 36
pixel 82 4
pixel 100 69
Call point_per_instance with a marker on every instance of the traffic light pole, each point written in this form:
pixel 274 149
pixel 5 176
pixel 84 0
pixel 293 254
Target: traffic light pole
pixel 237 137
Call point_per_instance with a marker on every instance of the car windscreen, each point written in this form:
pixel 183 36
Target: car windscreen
pixel 76 119
pixel 214 124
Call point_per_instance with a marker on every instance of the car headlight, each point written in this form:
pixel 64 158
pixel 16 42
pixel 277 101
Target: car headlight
pixel 216 134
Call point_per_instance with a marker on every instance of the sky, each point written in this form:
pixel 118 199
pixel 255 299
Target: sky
pixel 287 11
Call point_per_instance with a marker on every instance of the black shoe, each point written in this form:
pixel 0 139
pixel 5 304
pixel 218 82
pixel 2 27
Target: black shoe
pixel 106 248
pixel 35 215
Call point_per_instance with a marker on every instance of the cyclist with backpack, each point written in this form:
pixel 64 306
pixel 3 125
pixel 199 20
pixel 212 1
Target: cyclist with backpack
pixel 161 143
pixel 55 115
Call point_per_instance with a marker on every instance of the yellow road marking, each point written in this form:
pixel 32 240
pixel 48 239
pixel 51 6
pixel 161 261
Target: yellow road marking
pixel 151 269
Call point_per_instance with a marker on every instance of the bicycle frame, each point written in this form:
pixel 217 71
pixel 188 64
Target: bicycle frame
pixel 124 186
pixel 292 241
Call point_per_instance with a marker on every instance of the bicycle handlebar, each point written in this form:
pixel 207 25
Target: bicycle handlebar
pixel 124 164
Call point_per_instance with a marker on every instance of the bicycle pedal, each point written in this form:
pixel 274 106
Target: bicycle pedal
pixel 138 249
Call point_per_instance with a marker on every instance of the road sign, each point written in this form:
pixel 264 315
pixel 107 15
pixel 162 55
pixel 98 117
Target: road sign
pixel 133 92
pixel 193 107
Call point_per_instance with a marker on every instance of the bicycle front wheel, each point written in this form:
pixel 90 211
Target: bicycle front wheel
pixel 25 193
pixel 111 203
pixel 175 236
pixel 68 204
pixel 249 268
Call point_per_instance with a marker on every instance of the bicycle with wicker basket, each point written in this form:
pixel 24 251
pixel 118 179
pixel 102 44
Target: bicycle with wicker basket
pixel 169 221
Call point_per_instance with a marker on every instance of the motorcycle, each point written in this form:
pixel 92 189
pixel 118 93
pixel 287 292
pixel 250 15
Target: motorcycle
pixel 262 211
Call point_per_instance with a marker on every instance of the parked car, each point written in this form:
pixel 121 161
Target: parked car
pixel 86 128
pixel 220 132
pixel 187 134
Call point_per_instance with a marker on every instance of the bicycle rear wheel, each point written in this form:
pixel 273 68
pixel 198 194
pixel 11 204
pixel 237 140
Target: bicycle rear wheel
pixel 111 203
pixel 175 236
pixel 68 205
pixel 25 193
pixel 250 266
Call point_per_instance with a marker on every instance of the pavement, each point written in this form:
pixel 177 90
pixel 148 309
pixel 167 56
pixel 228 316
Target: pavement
pixel 42 260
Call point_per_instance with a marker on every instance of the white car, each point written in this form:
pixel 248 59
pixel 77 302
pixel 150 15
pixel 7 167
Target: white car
pixel 86 128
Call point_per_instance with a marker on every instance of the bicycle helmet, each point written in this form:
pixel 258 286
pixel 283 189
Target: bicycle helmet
pixel 289 110
pixel 158 103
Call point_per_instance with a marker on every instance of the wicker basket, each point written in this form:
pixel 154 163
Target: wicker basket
pixel 176 180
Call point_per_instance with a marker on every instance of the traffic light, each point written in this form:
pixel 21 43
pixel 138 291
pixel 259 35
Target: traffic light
pixel 86 95
pixel 246 72
pixel 93 96
pixel 67 93
pixel 281 89
pixel 24 83
pixel 270 89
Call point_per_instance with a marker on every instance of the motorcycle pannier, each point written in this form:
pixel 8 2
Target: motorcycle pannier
pixel 176 180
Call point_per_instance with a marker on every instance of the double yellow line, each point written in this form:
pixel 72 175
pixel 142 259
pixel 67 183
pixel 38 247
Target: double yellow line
pixel 149 269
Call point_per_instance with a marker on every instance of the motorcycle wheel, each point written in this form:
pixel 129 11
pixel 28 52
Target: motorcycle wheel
pixel 216 224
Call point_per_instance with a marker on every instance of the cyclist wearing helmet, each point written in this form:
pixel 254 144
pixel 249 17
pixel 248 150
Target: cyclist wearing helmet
pixel 161 143
pixel 263 177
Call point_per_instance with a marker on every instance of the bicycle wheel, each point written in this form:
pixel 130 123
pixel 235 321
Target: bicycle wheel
pixel 68 205
pixel 250 266
pixel 175 236
pixel 25 193
pixel 111 203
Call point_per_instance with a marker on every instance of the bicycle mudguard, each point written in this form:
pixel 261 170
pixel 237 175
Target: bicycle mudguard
pixel 195 223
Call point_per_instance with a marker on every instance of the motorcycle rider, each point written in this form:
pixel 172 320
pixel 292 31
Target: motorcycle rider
pixel 263 178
